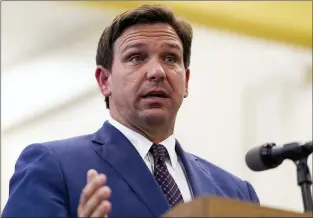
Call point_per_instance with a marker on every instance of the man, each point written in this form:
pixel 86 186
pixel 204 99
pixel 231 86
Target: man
pixel 132 166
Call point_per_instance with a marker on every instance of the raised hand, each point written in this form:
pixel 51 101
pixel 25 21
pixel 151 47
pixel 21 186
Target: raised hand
pixel 94 197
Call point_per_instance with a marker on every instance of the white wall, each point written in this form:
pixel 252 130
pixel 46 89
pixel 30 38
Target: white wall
pixel 243 92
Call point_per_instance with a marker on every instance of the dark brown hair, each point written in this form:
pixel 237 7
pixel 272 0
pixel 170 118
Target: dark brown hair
pixel 145 14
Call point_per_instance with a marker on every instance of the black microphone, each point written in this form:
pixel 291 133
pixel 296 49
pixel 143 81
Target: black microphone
pixel 269 156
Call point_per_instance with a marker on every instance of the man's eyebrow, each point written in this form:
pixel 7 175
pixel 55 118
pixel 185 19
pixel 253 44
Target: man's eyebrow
pixel 134 45
pixel 173 46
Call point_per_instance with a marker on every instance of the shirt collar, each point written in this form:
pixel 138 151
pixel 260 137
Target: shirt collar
pixel 142 144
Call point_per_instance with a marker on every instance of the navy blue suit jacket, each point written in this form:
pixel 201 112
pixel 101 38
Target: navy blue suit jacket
pixel 49 178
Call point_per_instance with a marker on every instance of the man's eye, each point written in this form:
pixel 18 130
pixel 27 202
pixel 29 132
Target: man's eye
pixel 136 59
pixel 170 59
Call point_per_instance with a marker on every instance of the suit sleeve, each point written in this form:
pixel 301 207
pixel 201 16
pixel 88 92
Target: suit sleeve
pixel 253 195
pixel 37 187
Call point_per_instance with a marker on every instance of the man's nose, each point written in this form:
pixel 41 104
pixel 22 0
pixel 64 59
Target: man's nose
pixel 155 71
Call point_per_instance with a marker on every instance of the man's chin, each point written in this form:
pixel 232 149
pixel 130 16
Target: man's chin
pixel 155 116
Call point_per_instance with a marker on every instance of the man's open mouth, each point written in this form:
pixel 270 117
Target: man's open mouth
pixel 156 94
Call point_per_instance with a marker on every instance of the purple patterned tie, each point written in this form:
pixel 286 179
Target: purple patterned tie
pixel 163 177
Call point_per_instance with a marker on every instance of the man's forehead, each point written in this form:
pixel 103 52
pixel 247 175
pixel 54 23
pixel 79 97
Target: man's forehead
pixel 146 45
pixel 145 35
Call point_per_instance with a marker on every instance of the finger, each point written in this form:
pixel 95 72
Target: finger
pixel 102 210
pixel 91 174
pixel 91 187
pixel 102 194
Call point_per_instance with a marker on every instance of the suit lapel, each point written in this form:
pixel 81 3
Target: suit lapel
pixel 122 156
pixel 200 179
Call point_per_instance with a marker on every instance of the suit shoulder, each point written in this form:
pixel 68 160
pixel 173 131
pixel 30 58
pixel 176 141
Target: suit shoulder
pixel 64 146
pixel 68 142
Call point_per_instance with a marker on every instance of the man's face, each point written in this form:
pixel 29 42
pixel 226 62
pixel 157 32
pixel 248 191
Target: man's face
pixel 148 80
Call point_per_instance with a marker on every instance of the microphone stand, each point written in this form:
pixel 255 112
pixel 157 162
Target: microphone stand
pixel 304 177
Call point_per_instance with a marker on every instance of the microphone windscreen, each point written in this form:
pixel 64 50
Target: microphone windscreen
pixel 254 159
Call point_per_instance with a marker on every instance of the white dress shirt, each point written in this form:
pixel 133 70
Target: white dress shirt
pixel 143 146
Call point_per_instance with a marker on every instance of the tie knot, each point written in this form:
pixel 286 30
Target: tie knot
pixel 158 152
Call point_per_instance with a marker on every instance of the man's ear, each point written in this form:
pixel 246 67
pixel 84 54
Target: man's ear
pixel 103 77
pixel 187 83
